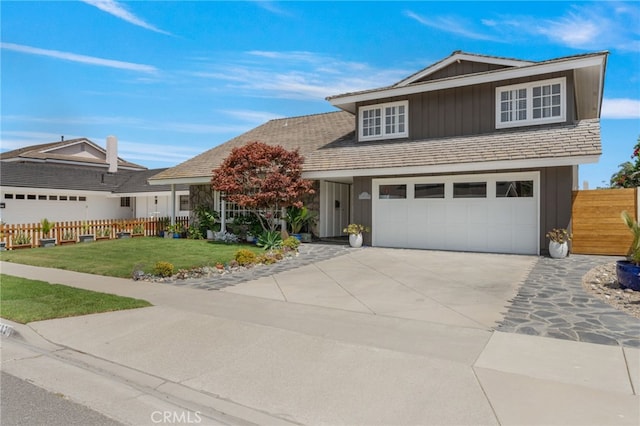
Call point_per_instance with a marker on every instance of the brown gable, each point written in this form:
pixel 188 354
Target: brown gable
pixel 531 143
pixel 307 133
pixel 460 68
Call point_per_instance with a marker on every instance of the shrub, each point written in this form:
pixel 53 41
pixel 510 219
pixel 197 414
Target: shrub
pixel 194 233
pixel 266 259
pixel 164 269
pixel 291 243
pixel 270 240
pixel 225 237
pixel 245 257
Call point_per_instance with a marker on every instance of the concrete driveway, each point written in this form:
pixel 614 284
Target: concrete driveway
pixel 340 346
pixel 452 288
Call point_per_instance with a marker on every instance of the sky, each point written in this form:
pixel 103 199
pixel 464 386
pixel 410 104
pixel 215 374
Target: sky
pixel 174 79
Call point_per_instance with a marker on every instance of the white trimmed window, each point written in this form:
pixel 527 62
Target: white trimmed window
pixel 384 121
pixel 537 102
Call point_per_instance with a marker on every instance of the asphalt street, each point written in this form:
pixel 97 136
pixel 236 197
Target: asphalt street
pixel 22 403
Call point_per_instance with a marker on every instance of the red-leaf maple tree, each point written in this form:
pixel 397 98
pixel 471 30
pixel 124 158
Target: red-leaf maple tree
pixel 262 179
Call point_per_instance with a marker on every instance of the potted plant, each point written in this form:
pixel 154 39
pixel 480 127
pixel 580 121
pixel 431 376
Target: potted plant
pixel 176 230
pixel 3 243
pixel 161 225
pixel 207 221
pixel 21 240
pixel 298 218
pixel 122 230
pixel 86 235
pixel 68 237
pixel 558 242
pixel 138 230
pixel 103 233
pixel 355 231
pixel 46 226
pixel 628 271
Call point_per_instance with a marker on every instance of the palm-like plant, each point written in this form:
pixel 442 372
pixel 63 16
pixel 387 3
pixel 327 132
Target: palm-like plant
pixel 633 255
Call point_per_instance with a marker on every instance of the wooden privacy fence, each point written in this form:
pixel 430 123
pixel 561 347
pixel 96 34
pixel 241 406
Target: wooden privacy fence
pixel 596 222
pixel 29 234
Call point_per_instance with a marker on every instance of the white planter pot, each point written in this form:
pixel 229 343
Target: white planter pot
pixel 209 234
pixel 558 250
pixel 355 240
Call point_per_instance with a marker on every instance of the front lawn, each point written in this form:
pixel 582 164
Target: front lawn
pixel 118 258
pixel 24 300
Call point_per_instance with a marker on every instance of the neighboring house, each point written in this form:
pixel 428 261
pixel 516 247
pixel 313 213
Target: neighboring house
pixel 473 153
pixel 79 180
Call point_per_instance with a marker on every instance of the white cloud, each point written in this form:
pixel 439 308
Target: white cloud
pixel 588 25
pixel 574 30
pixel 271 7
pixel 451 24
pixel 258 117
pixel 120 11
pixel 73 57
pixel 621 108
pixel 295 75
pixel 132 122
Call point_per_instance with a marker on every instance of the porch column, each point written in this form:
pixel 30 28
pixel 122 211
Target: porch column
pixel 223 213
pixel 173 204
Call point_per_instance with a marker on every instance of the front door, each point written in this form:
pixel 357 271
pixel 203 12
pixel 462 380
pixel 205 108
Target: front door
pixel 335 200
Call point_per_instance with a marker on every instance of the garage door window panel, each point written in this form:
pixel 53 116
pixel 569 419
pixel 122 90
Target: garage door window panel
pixel 392 192
pixel 514 189
pixel 470 190
pixel 429 190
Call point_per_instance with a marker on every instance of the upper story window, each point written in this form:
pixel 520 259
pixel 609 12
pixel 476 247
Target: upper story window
pixel 384 121
pixel 537 102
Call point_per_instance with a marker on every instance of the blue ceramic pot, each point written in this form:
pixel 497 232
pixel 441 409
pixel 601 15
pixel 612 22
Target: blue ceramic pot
pixel 628 274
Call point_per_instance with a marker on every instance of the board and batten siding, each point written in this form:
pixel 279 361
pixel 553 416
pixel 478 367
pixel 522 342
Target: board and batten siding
pixel 462 68
pixel 463 111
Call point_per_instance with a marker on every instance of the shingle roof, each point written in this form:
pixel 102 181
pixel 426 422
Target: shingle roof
pixel 307 133
pixel 46 151
pixel 137 183
pixel 60 176
pixel 528 143
pixel 77 178
pixel 328 142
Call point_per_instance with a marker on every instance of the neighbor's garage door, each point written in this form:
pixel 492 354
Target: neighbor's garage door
pixel 485 213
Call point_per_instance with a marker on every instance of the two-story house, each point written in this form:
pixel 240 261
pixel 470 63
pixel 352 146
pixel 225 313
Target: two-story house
pixel 473 153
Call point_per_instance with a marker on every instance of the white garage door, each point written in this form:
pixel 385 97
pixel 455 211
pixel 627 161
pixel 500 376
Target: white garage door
pixel 496 213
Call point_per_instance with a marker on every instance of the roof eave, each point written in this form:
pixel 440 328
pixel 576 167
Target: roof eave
pixel 196 180
pixel 455 167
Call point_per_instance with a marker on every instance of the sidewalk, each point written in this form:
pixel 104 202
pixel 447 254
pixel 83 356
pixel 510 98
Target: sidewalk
pixel 268 361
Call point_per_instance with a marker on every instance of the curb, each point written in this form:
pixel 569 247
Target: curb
pixel 172 397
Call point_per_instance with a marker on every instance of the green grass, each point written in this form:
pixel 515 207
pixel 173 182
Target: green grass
pixel 118 258
pixel 24 300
